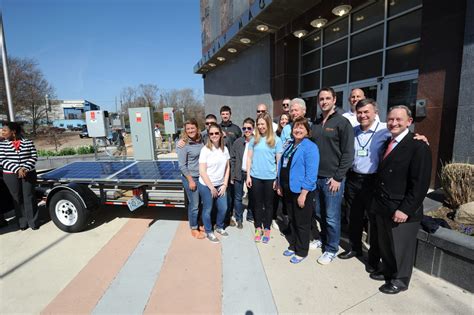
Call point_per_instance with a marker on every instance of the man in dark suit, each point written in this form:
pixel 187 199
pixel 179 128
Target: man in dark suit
pixel 402 180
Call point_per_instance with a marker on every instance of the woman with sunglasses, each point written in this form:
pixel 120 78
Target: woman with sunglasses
pixel 238 162
pixel 213 178
pixel 263 155
pixel 188 160
pixel 297 176
pixel 18 157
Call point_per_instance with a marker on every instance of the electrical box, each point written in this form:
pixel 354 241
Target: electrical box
pixel 420 108
pixel 97 123
pixel 168 118
pixel 142 133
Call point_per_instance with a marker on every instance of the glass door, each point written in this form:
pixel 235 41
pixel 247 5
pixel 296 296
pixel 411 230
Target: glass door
pixel 400 90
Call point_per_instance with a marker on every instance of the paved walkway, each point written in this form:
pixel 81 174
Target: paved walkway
pixel 147 262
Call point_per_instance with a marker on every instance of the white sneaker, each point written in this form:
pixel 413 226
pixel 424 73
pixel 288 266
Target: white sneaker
pixel 315 244
pixel 326 258
pixel 222 232
pixel 275 225
pixel 211 237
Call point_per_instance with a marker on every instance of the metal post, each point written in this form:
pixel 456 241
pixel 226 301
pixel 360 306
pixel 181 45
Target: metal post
pixel 11 112
pixel 46 97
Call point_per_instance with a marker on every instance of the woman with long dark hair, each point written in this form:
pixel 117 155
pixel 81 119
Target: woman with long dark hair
pixel 188 159
pixel 18 157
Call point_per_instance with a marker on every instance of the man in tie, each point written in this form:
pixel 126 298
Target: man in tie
pixel 402 180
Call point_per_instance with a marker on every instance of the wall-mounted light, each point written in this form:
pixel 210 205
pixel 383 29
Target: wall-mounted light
pixel 342 9
pixel 262 28
pixel 245 40
pixel 212 64
pixel 300 33
pixel 221 59
pixel 232 50
pixel 318 23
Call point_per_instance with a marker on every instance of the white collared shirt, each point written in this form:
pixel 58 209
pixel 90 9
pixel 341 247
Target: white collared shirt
pixel 400 138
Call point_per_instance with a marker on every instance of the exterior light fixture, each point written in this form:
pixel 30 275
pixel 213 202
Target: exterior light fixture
pixel 221 59
pixel 300 33
pixel 232 50
pixel 342 9
pixel 245 40
pixel 318 23
pixel 262 28
pixel 212 64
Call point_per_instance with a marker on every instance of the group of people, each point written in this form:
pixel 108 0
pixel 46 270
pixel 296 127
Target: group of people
pixel 381 170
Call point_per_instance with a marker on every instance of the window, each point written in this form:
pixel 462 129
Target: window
pixel 368 16
pixel 335 75
pixel 402 58
pixel 312 42
pixel 398 6
pixel 335 52
pixel 366 67
pixel 310 82
pixel 335 31
pixel 311 61
pixel 367 41
pixel 404 28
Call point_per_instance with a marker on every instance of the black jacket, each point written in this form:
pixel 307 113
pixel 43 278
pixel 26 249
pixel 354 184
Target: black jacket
pixel 335 141
pixel 236 155
pixel 232 131
pixel 403 179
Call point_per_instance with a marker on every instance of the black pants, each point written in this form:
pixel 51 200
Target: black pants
pixel 358 195
pixel 299 221
pixel 397 243
pixel 23 193
pixel 262 192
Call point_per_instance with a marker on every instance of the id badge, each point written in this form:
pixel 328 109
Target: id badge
pixel 362 152
pixel 285 162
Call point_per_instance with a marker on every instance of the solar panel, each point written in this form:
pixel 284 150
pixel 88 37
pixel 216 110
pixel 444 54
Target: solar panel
pixel 115 171
pixel 86 170
pixel 151 170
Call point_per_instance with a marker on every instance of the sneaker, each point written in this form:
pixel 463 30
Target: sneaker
pixel 296 259
pixel 315 244
pixel 250 220
pixel 211 237
pixel 222 232
pixel 258 235
pixel 240 226
pixel 288 253
pixel 232 222
pixel 326 258
pixel 266 236
pixel 275 225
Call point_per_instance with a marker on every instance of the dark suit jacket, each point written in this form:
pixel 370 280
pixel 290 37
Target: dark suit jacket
pixel 403 179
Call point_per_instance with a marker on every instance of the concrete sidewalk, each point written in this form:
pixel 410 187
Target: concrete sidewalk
pixel 152 268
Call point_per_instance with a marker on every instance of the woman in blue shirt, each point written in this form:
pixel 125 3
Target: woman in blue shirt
pixel 264 152
pixel 297 176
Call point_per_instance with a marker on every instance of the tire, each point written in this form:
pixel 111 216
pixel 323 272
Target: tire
pixel 68 212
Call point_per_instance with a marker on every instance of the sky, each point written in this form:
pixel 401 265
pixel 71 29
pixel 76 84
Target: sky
pixel 92 49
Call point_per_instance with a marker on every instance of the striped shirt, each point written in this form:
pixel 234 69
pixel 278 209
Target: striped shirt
pixel 12 160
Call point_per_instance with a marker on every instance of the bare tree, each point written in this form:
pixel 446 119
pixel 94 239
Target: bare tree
pixel 149 94
pixel 29 88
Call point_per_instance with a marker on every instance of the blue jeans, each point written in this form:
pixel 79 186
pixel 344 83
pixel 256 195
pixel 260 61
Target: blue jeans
pixel 207 202
pixel 328 213
pixel 193 205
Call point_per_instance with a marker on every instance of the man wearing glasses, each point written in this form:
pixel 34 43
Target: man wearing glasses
pixel 262 109
pixel 210 118
pixel 285 105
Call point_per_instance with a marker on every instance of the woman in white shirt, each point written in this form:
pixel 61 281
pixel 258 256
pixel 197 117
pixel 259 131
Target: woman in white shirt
pixel 213 178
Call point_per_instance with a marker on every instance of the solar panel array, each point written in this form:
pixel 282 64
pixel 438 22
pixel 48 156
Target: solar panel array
pixel 141 171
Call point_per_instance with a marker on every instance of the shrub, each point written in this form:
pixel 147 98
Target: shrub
pixel 67 151
pixel 86 149
pixel 457 180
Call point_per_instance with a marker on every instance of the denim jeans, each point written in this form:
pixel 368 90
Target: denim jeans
pixel 238 205
pixel 207 202
pixel 328 212
pixel 193 205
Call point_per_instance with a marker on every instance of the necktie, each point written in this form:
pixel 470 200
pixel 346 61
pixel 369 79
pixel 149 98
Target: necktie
pixel 389 148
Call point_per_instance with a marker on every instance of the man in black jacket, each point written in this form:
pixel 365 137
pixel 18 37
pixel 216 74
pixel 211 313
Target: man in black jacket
pixel 334 136
pixel 402 180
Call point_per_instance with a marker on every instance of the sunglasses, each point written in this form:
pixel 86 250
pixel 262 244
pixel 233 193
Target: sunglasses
pixel 214 133
pixel 285 104
pixel 247 128
pixel 261 111
pixel 208 123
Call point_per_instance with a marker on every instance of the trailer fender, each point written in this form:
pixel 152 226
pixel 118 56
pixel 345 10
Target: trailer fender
pixel 86 196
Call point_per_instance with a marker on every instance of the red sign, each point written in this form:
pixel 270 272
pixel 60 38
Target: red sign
pixel 166 116
pixel 139 117
pixel 92 115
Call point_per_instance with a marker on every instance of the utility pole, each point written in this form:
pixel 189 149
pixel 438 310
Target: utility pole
pixel 48 108
pixel 11 112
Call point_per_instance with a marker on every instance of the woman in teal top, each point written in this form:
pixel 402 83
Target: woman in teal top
pixel 264 152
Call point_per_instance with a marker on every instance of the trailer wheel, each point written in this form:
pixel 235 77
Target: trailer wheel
pixel 68 212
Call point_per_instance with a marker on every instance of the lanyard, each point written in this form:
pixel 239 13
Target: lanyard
pixel 368 141
pixel 291 150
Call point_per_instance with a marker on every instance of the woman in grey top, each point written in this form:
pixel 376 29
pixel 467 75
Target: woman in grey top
pixel 188 158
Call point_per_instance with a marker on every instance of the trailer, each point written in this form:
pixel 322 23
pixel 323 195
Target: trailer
pixel 72 192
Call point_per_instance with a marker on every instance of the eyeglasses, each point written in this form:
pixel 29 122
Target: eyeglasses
pixel 247 128
pixel 214 133
pixel 261 111
pixel 285 104
pixel 208 123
